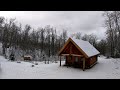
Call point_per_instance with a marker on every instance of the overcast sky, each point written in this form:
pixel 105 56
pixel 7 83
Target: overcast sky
pixel 74 21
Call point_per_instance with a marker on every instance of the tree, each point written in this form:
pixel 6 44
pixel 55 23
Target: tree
pixel 42 39
pixel 102 47
pixel 112 24
pixel 53 42
pixel 78 35
pixel 85 37
pixel 48 30
pixel 24 41
pixel 2 19
pixel 64 35
pixel 91 38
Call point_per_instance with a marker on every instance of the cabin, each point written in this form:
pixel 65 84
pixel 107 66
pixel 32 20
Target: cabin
pixel 27 57
pixel 79 53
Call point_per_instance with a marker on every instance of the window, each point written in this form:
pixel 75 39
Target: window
pixel 76 59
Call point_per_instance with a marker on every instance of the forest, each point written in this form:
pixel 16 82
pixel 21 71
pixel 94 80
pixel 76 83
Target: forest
pixel 46 40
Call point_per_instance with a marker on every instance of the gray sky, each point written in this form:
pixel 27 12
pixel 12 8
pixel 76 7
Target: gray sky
pixel 74 21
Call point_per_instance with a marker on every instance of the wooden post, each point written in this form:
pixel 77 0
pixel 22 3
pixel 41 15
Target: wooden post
pixel 60 60
pixel 83 64
pixel 66 60
pixel 70 50
pixel 97 58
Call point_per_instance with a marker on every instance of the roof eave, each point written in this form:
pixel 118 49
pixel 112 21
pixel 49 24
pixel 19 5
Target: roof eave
pixel 93 55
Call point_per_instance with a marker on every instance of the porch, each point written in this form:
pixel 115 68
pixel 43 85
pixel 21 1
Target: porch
pixel 74 60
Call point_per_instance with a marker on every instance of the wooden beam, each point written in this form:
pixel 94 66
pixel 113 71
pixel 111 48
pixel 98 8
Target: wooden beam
pixel 72 55
pixel 70 49
pixel 77 55
pixel 83 64
pixel 65 54
pixel 65 60
pixel 60 60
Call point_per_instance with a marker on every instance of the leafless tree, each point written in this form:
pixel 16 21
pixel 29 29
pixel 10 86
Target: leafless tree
pixel 78 35
pixel 112 23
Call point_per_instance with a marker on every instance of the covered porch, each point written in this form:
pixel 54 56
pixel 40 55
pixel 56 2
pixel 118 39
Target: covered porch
pixel 74 60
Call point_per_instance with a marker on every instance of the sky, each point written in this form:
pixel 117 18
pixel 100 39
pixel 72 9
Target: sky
pixel 86 22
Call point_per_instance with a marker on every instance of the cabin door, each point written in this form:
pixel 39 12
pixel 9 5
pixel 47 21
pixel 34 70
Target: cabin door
pixel 70 60
pixel 76 62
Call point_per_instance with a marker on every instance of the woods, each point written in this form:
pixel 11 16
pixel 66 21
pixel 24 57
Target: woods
pixel 27 40
pixel 109 46
pixel 46 41
pixel 112 24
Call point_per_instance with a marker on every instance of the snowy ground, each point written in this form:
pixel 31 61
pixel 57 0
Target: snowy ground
pixel 104 69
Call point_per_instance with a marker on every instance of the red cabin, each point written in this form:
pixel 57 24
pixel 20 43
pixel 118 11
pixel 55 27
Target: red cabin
pixel 27 57
pixel 79 53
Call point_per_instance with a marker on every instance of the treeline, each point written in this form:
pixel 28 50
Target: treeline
pixel 46 40
pixel 112 43
pixel 100 45
pixel 109 46
pixel 91 38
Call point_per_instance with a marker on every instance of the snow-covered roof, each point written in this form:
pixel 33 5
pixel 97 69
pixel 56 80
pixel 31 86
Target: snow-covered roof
pixel 87 48
pixel 28 56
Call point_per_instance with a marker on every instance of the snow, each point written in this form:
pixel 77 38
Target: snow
pixel 104 69
pixel 86 47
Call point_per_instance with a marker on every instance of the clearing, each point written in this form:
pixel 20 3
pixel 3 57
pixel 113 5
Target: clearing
pixel 104 69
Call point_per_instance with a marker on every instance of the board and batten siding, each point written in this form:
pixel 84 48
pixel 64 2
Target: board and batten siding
pixel 93 60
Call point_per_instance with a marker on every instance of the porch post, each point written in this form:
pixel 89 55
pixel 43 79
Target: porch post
pixel 65 60
pixel 60 60
pixel 83 64
pixel 97 58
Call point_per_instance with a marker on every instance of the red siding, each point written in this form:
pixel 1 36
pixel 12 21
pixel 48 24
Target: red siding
pixel 87 62
pixel 74 49
pixel 93 60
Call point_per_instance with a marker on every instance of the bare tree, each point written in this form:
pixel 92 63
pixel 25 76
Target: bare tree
pixel 112 23
pixel 64 35
pixel 102 47
pixel 25 41
pixel 78 35
pixel 48 40
pixel 2 19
